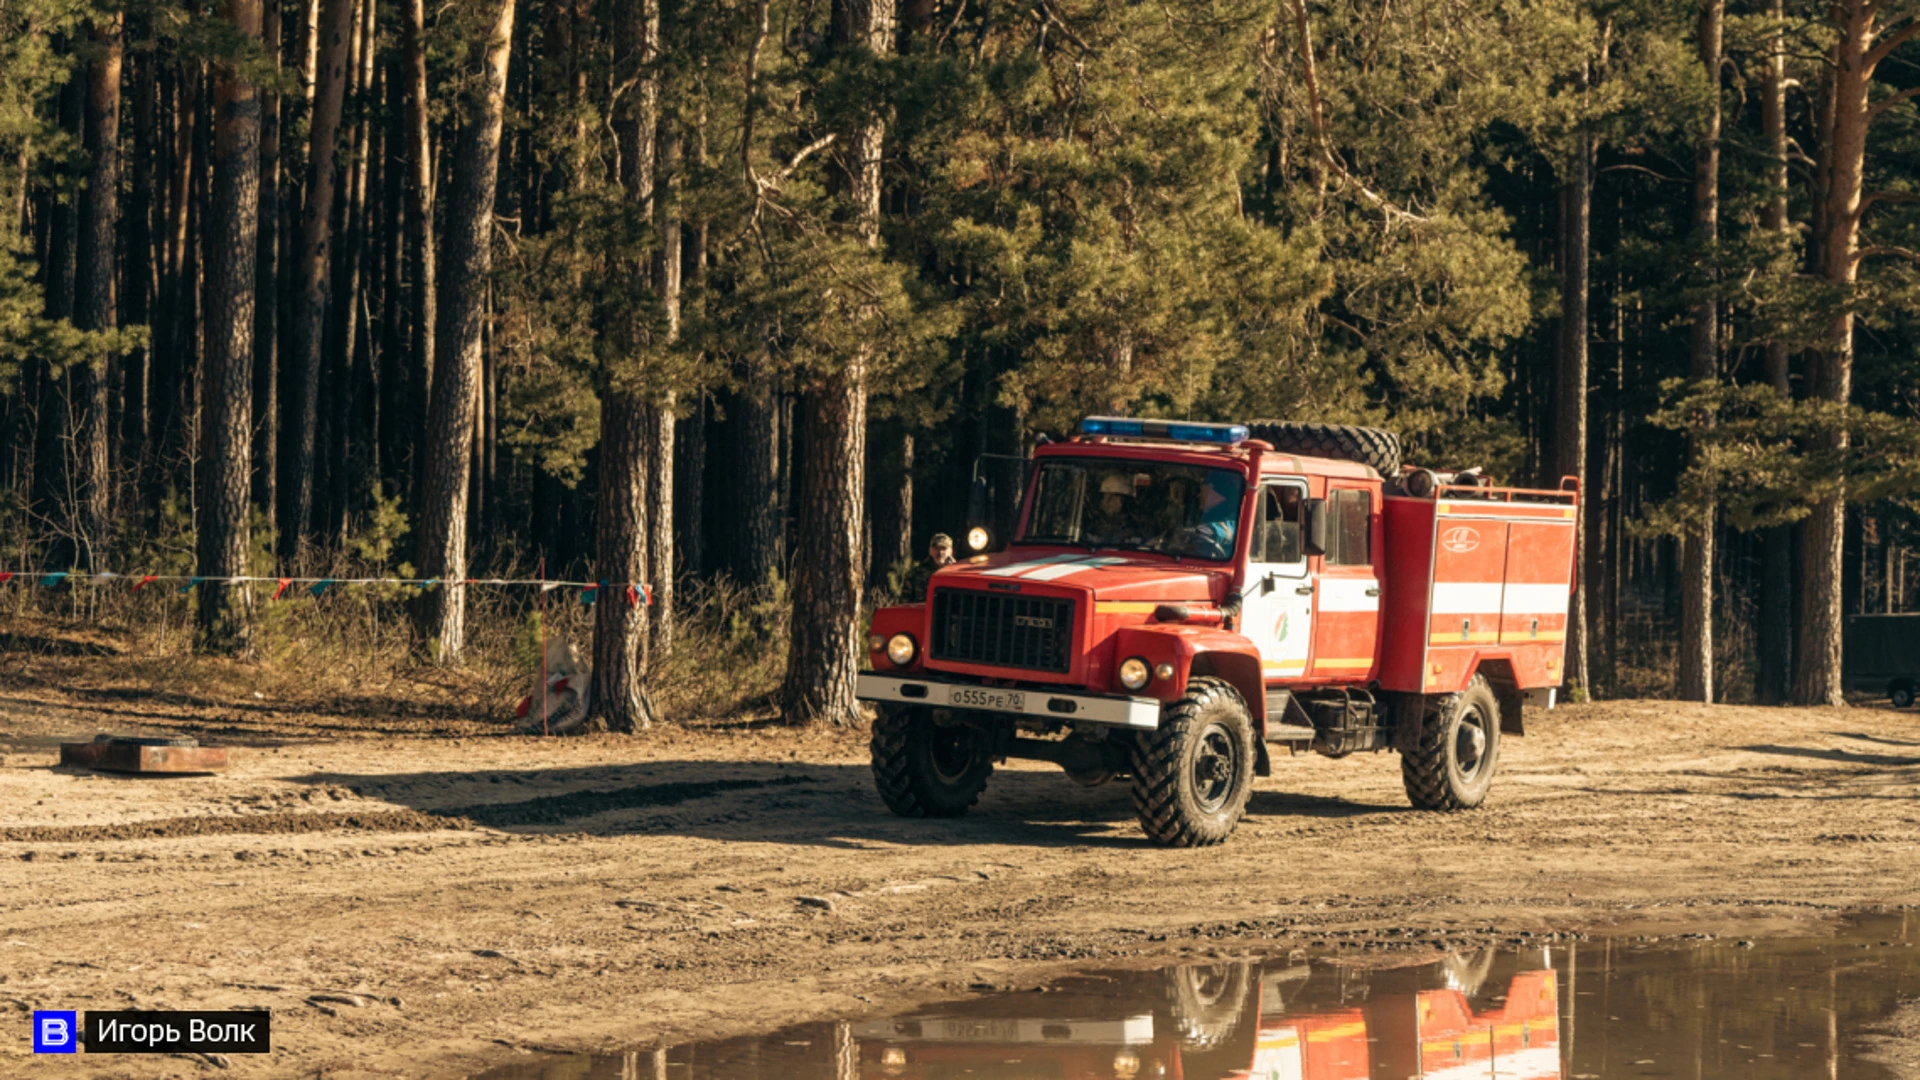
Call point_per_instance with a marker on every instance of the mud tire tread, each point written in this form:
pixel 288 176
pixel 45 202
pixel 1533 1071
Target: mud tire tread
pixel 1342 442
pixel 1424 769
pixel 896 775
pixel 1157 757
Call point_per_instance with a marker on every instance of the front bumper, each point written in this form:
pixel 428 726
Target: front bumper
pixel 1129 712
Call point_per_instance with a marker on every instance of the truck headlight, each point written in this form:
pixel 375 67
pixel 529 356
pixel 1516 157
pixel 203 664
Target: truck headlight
pixel 978 538
pixel 901 649
pixel 1134 673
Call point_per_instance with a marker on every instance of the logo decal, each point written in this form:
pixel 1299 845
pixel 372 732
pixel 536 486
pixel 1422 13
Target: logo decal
pixel 53 1031
pixel 1033 622
pixel 1460 539
pixel 1280 628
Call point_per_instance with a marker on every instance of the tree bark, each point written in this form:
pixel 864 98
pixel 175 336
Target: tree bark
pixel 419 177
pixel 824 637
pixel 442 553
pixel 1776 574
pixel 232 285
pixel 660 426
pixel 141 284
pixel 266 331
pixel 1817 679
pixel 1696 571
pixel 316 233
pixel 621 637
pixel 1570 401
pixel 95 305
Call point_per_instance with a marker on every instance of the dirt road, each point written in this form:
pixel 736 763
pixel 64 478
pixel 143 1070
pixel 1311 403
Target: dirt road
pixel 466 897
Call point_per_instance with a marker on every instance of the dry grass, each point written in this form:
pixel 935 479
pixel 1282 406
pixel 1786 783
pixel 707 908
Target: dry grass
pixel 352 653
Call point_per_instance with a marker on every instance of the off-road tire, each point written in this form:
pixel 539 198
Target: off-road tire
pixel 1901 695
pixel 1342 442
pixel 1441 771
pixel 1208 730
pixel 915 768
pixel 1207 1003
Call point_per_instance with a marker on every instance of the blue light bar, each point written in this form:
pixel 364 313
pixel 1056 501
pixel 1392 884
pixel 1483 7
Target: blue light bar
pixel 1180 431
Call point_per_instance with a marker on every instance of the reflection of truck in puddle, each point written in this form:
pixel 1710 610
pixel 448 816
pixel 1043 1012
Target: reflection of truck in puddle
pixel 1232 1022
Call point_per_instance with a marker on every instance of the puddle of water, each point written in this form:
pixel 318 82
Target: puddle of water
pixel 1602 1009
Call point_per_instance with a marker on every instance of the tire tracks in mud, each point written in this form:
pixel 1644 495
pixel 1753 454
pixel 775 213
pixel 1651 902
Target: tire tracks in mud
pixel 543 810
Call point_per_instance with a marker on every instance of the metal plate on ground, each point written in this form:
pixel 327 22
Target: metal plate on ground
pixel 144 755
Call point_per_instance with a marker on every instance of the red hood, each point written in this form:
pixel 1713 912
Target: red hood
pixel 1108 573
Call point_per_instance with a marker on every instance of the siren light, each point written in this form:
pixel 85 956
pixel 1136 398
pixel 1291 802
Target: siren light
pixel 1223 434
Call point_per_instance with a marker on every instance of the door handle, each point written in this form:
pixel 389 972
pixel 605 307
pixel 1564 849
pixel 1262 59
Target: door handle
pixel 1374 591
pixel 1304 590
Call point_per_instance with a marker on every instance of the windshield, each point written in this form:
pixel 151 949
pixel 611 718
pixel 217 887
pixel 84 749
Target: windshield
pixel 1185 510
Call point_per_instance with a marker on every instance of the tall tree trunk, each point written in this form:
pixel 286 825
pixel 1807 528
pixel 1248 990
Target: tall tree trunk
pixel 622 501
pixel 419 178
pixel 1776 575
pixel 1696 572
pixel 1570 401
pixel 141 284
pixel 441 613
pixel 824 640
pixel 667 270
pixel 763 444
pixel 266 333
pixel 94 291
pixel 690 442
pixel 226 435
pixel 331 74
pixel 350 463
pixel 1817 678
pixel 56 480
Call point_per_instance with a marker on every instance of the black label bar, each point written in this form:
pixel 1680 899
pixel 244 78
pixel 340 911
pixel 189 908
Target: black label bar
pixel 192 1032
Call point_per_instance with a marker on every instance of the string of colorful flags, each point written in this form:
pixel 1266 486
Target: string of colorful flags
pixel 634 593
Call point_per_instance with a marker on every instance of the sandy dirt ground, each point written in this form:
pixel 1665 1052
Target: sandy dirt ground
pixel 431 898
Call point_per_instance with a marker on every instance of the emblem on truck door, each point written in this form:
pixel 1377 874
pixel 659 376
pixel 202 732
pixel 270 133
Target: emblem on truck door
pixel 1460 539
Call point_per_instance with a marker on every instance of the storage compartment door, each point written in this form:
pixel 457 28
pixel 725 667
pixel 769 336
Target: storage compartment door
pixel 1533 609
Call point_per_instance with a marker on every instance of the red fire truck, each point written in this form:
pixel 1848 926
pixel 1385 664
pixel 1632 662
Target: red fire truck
pixel 1177 597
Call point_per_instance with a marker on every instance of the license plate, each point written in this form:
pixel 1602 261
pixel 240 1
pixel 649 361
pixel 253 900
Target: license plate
pixel 974 697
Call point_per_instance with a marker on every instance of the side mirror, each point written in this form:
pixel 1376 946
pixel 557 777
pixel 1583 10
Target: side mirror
pixel 977 502
pixel 1316 538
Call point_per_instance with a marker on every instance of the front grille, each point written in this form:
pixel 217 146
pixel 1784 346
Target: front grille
pixel 1032 632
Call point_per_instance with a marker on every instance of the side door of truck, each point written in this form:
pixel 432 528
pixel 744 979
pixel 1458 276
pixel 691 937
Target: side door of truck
pixel 1346 618
pixel 1276 610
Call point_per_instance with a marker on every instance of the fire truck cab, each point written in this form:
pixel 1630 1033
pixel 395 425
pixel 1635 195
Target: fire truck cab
pixel 1178 598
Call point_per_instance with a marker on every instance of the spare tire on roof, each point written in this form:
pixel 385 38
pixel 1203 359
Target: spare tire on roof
pixel 1343 442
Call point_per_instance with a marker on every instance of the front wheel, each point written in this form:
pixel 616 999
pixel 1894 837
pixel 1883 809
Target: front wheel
pixel 1192 775
pixel 923 768
pixel 1901 694
pixel 1451 765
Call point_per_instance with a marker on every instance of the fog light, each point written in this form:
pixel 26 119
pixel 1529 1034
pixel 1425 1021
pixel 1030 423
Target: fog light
pixel 900 649
pixel 875 643
pixel 1126 1065
pixel 893 1059
pixel 1134 673
pixel 978 538
pixel 1163 670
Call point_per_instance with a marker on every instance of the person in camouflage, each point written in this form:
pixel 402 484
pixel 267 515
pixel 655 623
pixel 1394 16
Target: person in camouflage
pixel 939 554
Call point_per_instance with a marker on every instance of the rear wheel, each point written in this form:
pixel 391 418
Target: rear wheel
pixel 1451 765
pixel 1192 775
pixel 1901 694
pixel 924 768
